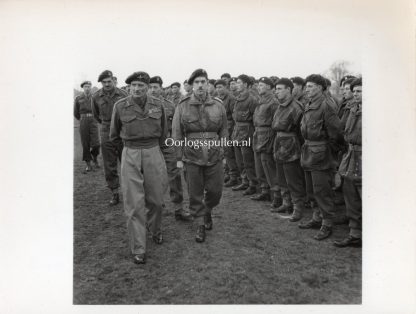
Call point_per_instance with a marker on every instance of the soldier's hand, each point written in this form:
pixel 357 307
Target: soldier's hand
pixel 179 164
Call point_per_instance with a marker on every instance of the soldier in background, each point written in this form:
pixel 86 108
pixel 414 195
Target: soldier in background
pixel 103 102
pixel 187 88
pixel 140 122
pixel 331 99
pixel 87 127
pixel 347 101
pixel 115 81
pixel 233 87
pixel 351 169
pixel 175 95
pixel 211 89
pixel 200 117
pixel 169 153
pixel 226 77
pixel 298 91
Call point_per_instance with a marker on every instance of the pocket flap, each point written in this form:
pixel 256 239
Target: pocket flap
pixel 127 119
pixel 317 148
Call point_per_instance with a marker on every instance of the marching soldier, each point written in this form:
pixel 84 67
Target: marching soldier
pixel 320 128
pixel 198 118
pixel 286 124
pixel 175 95
pixel 169 153
pixel 103 102
pixel 243 132
pixel 87 127
pixel 263 138
pixel 351 169
pixel 139 120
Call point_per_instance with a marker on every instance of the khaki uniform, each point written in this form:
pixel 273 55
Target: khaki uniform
pixel 263 139
pixel 351 170
pixel 199 120
pixel 320 127
pixel 244 107
pixel 87 127
pixel 102 109
pixel 143 169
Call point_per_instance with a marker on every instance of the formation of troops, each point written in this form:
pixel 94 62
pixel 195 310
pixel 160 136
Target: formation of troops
pixel 305 145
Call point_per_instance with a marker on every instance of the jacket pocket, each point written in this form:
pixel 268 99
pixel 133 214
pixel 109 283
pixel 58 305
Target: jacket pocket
pixel 314 156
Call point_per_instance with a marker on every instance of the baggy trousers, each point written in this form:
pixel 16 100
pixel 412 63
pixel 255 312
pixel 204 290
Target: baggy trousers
pixel 318 184
pixel 174 176
pixel 111 151
pixel 266 171
pixel 245 156
pixel 292 174
pixel 143 181
pixel 204 187
pixel 89 138
pixel 353 202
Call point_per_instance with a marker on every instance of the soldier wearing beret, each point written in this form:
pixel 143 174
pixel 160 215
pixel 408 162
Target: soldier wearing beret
pixel 244 108
pixel 320 127
pixel 347 101
pixel 298 91
pixel 253 88
pixel 175 94
pixel 263 139
pixel 286 124
pixel 140 122
pixel 201 118
pixel 232 172
pixel 169 153
pixel 103 102
pixel 331 99
pixel 211 88
pixel 87 127
pixel 351 169
pixel 227 78
pixel 187 88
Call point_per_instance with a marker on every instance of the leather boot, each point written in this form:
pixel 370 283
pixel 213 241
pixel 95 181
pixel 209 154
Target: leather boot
pixel 250 190
pixel 286 206
pixel 277 200
pixel 297 212
pixel 263 196
pixel 115 199
pixel 231 182
pixel 240 187
pixel 200 234
pixel 208 221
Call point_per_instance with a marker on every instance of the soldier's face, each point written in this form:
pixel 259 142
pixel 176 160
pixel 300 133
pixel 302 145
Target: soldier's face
pixel 347 92
pixel 282 92
pixel 241 86
pixel 200 85
pixel 312 89
pixel 296 88
pixel 221 90
pixel 108 83
pixel 357 92
pixel 138 89
pixel 233 85
pixel 155 89
pixel 226 79
pixel 187 87
pixel 263 88
pixel 87 88
pixel 175 89
pixel 115 81
pixel 211 88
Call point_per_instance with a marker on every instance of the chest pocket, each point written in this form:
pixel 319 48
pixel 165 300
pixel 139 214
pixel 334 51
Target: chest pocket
pixel 145 126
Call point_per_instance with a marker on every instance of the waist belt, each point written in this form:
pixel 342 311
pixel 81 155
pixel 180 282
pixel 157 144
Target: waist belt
pixel 263 128
pixel 357 148
pixel 285 134
pixel 84 115
pixel 202 135
pixel 312 143
pixel 243 123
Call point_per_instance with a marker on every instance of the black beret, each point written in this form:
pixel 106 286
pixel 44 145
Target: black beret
pixel 274 79
pixel 233 79
pixel 185 82
pixel 286 82
pixel 105 75
pixel 298 80
pixel 356 82
pixel 211 82
pixel 266 80
pixel 138 76
pixel 176 84
pixel 156 79
pixel 328 82
pixel 227 75
pixel 220 82
pixel 348 81
pixel 115 78
pixel 85 82
pixel 346 77
pixel 244 78
pixel 197 73
pixel 317 79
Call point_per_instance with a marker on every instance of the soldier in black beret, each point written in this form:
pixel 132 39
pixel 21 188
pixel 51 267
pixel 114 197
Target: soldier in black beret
pixel 175 95
pixel 87 127
pixel 197 73
pixel 233 86
pixel 188 88
pixel 211 88
pixel 139 121
pixel 102 104
pixel 226 77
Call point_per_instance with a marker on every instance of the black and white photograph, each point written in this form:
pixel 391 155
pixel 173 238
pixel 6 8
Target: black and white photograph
pixel 209 153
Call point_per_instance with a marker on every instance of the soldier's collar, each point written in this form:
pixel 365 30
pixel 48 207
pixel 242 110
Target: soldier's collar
pixel 244 95
pixel 286 102
pixel 315 102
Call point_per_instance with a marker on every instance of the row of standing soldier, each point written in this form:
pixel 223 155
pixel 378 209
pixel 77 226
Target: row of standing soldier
pixel 299 135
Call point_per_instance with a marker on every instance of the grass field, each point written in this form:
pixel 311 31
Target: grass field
pixel 250 257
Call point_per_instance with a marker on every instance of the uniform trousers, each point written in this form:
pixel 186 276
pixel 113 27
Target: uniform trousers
pixel 89 138
pixel 353 201
pixel 111 151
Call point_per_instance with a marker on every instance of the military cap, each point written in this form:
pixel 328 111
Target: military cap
pixel 348 81
pixel 156 79
pixel 104 75
pixel 227 75
pixel 138 76
pixel 176 84
pixel 286 82
pixel 317 79
pixel 266 80
pixel 274 79
pixel 244 78
pixel 220 82
pixel 298 80
pixel 212 81
pixel 197 73
pixel 185 82
pixel 233 79
pixel 356 82
pixel 346 77
pixel 328 82
pixel 85 82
